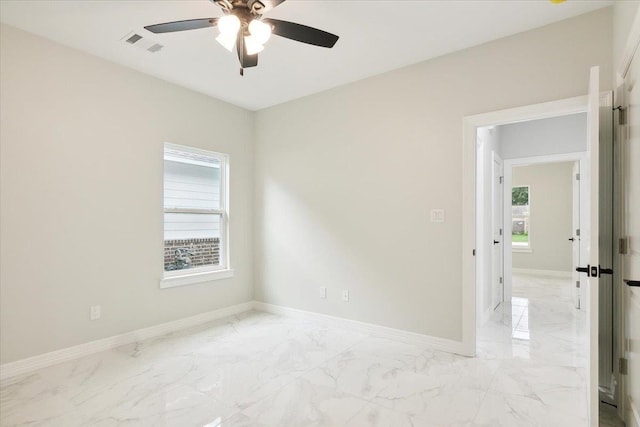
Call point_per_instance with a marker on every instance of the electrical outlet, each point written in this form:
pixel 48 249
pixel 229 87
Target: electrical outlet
pixel 437 215
pixel 323 292
pixel 345 295
pixel 95 312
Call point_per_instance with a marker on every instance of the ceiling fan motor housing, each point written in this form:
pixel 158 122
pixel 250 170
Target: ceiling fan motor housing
pixel 256 7
pixel 224 4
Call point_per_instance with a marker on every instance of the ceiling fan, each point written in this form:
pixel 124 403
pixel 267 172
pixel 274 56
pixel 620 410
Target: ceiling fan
pixel 244 27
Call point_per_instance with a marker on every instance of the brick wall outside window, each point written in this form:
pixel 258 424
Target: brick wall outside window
pixel 203 251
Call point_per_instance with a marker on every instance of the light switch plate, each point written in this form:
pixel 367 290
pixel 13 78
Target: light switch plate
pixel 95 312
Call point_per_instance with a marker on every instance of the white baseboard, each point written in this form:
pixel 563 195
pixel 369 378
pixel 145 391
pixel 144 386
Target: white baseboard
pixel 436 343
pixel 34 363
pixel 552 273
pixel 40 361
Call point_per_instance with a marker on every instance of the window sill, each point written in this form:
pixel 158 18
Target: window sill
pixel 521 250
pixel 193 278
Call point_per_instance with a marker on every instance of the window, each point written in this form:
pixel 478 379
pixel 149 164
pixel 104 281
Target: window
pixel 520 217
pixel 195 216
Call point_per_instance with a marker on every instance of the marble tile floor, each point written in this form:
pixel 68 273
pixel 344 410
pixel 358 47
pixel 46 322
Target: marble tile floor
pixel 259 369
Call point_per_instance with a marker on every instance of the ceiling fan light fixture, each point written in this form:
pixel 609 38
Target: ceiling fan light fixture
pixel 260 31
pixel 227 41
pixel 243 27
pixel 229 25
pixel 252 45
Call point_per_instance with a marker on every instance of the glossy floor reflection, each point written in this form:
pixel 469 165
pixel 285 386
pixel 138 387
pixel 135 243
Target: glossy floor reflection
pixel 259 369
pixel 540 340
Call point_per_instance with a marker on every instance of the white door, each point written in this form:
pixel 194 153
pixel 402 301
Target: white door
pixel 575 233
pixel 497 214
pixel 632 258
pixel 590 249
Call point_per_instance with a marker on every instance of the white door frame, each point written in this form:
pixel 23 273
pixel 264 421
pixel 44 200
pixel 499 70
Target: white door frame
pixel 469 143
pixel 581 157
pixel 575 225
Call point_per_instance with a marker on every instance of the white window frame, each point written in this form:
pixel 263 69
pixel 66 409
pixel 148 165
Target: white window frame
pixel 223 270
pixel 528 248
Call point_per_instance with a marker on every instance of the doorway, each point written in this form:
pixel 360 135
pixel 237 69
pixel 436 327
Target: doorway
pixel 533 328
pixel 594 105
pixel 552 242
pixel 500 148
pixel 484 130
pixel 540 219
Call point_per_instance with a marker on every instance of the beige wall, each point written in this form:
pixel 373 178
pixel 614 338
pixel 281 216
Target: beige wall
pixel 345 179
pixel 81 196
pixel 551 198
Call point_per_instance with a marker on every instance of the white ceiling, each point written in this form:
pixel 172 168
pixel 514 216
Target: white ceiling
pixel 375 36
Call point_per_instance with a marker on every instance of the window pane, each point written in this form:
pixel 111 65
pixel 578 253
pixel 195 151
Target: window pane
pixel 190 185
pixel 520 216
pixel 191 226
pixel 191 240
pixel 520 196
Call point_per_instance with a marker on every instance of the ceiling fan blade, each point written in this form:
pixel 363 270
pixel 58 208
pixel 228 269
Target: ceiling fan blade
pixel 246 60
pixel 189 24
pixel 263 6
pixel 302 33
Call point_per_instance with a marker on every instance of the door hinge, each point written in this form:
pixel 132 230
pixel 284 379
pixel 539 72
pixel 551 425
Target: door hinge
pixel 622 366
pixel 501 179
pixel 577 177
pixel 622 246
pixel 501 231
pixel 578 232
pixel 578 284
pixel 474 252
pixel 501 280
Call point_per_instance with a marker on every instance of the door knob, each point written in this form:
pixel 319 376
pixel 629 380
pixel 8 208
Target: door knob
pixel 495 242
pixel 604 271
pixel 572 239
